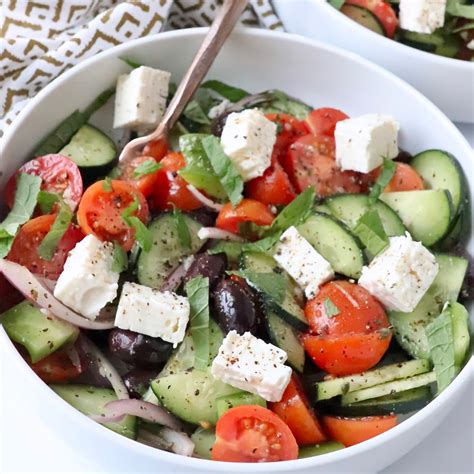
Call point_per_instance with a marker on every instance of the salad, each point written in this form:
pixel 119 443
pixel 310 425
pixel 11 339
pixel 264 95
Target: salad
pixel 443 27
pixel 272 282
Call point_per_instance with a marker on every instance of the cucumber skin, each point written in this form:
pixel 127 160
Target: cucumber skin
pixel 318 449
pixel 227 402
pixel 371 22
pixel 203 442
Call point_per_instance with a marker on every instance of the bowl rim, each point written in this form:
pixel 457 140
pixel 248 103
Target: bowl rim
pixel 398 47
pixel 439 403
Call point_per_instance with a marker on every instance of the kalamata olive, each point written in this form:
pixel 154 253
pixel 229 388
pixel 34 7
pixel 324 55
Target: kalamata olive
pixel 137 381
pixel 235 308
pixel 210 266
pixel 204 216
pixel 138 349
pixel 404 156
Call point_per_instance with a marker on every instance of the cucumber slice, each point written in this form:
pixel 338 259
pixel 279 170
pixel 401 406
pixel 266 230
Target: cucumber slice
pixel 335 242
pixel 203 442
pixel 426 214
pixel 40 335
pixel 227 402
pixel 434 39
pixel 364 17
pixel 349 208
pixel 450 46
pixel 91 400
pixel 389 388
pixel 91 150
pixel 318 449
pixel 285 337
pixel 166 252
pixel 350 383
pixel 192 395
pixel 288 309
pixel 409 328
pixel 440 170
pixel 461 337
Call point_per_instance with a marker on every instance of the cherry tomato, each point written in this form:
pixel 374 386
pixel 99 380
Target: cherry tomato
pixel 295 410
pixel 24 250
pixel 170 189
pixel 9 295
pixel 323 121
pixel 101 207
pixel 145 183
pixel 404 179
pixel 248 210
pixel 350 431
pixel 251 433
pixel 310 162
pixel 157 149
pixel 60 175
pixel 58 367
pixel 383 11
pixel 352 340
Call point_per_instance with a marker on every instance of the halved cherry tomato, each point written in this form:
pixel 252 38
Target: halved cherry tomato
pixel 323 121
pixel 310 162
pixel 170 189
pixel 60 175
pixel 100 211
pixel 145 183
pixel 352 340
pixel 350 431
pixel 383 11
pixel 25 246
pixel 9 295
pixel 251 433
pixel 404 179
pixel 295 410
pixel 248 210
pixel 157 149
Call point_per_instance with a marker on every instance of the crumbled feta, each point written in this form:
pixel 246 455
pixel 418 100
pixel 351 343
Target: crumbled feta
pixel 140 98
pixel 218 109
pixel 251 364
pixel 401 274
pixel 248 138
pixel 88 282
pixel 422 16
pixel 362 143
pixel 303 262
pixel 152 312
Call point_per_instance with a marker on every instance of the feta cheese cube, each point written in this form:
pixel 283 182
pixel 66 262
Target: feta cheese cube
pixel 303 262
pixel 362 143
pixel 247 139
pixel 251 364
pixel 88 282
pixel 152 312
pixel 422 16
pixel 401 274
pixel 140 98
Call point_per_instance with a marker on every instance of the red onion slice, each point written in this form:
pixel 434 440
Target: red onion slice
pixel 28 284
pixel 181 443
pixel 203 199
pixel 219 234
pixel 173 280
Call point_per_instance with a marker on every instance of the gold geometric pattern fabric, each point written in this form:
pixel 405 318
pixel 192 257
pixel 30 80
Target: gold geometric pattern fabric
pixel 40 39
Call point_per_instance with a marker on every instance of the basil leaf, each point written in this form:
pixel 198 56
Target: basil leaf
pixel 388 170
pixel 441 342
pixel 197 291
pixel 337 3
pixel 198 170
pixel 282 103
pixel 468 26
pixel 120 262
pixel 142 233
pixel 61 224
pixel 263 245
pixel 457 8
pixel 147 167
pixel 26 195
pixel 234 94
pixel 369 229
pixel 182 229
pixel 195 112
pixel 296 212
pixel 132 63
pixel 330 308
pixel 46 201
pixel 231 249
pixel 272 284
pixel 224 169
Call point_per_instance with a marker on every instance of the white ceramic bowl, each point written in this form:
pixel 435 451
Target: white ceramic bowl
pixel 255 60
pixel 449 83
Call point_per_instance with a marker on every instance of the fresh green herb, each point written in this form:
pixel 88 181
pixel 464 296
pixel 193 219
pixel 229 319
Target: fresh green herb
pixel 233 94
pixel 282 103
pixel 142 233
pixel 369 229
pixel 441 342
pixel 120 262
pixel 26 195
pixel 231 249
pixel 182 229
pixel 133 64
pixel 61 224
pixel 197 291
pixel 273 284
pixel 147 167
pixel 224 169
pixel 296 212
pixel 263 245
pixel 459 9
pixel 465 27
pixel 195 112
pixel 330 308
pixel 46 201
pixel 388 170
pixel 107 184
pixel 337 3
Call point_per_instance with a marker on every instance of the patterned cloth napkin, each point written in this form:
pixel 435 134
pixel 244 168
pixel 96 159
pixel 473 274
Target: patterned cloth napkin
pixel 40 39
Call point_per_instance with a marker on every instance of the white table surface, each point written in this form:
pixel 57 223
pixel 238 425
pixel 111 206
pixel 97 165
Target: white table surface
pixel 28 445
